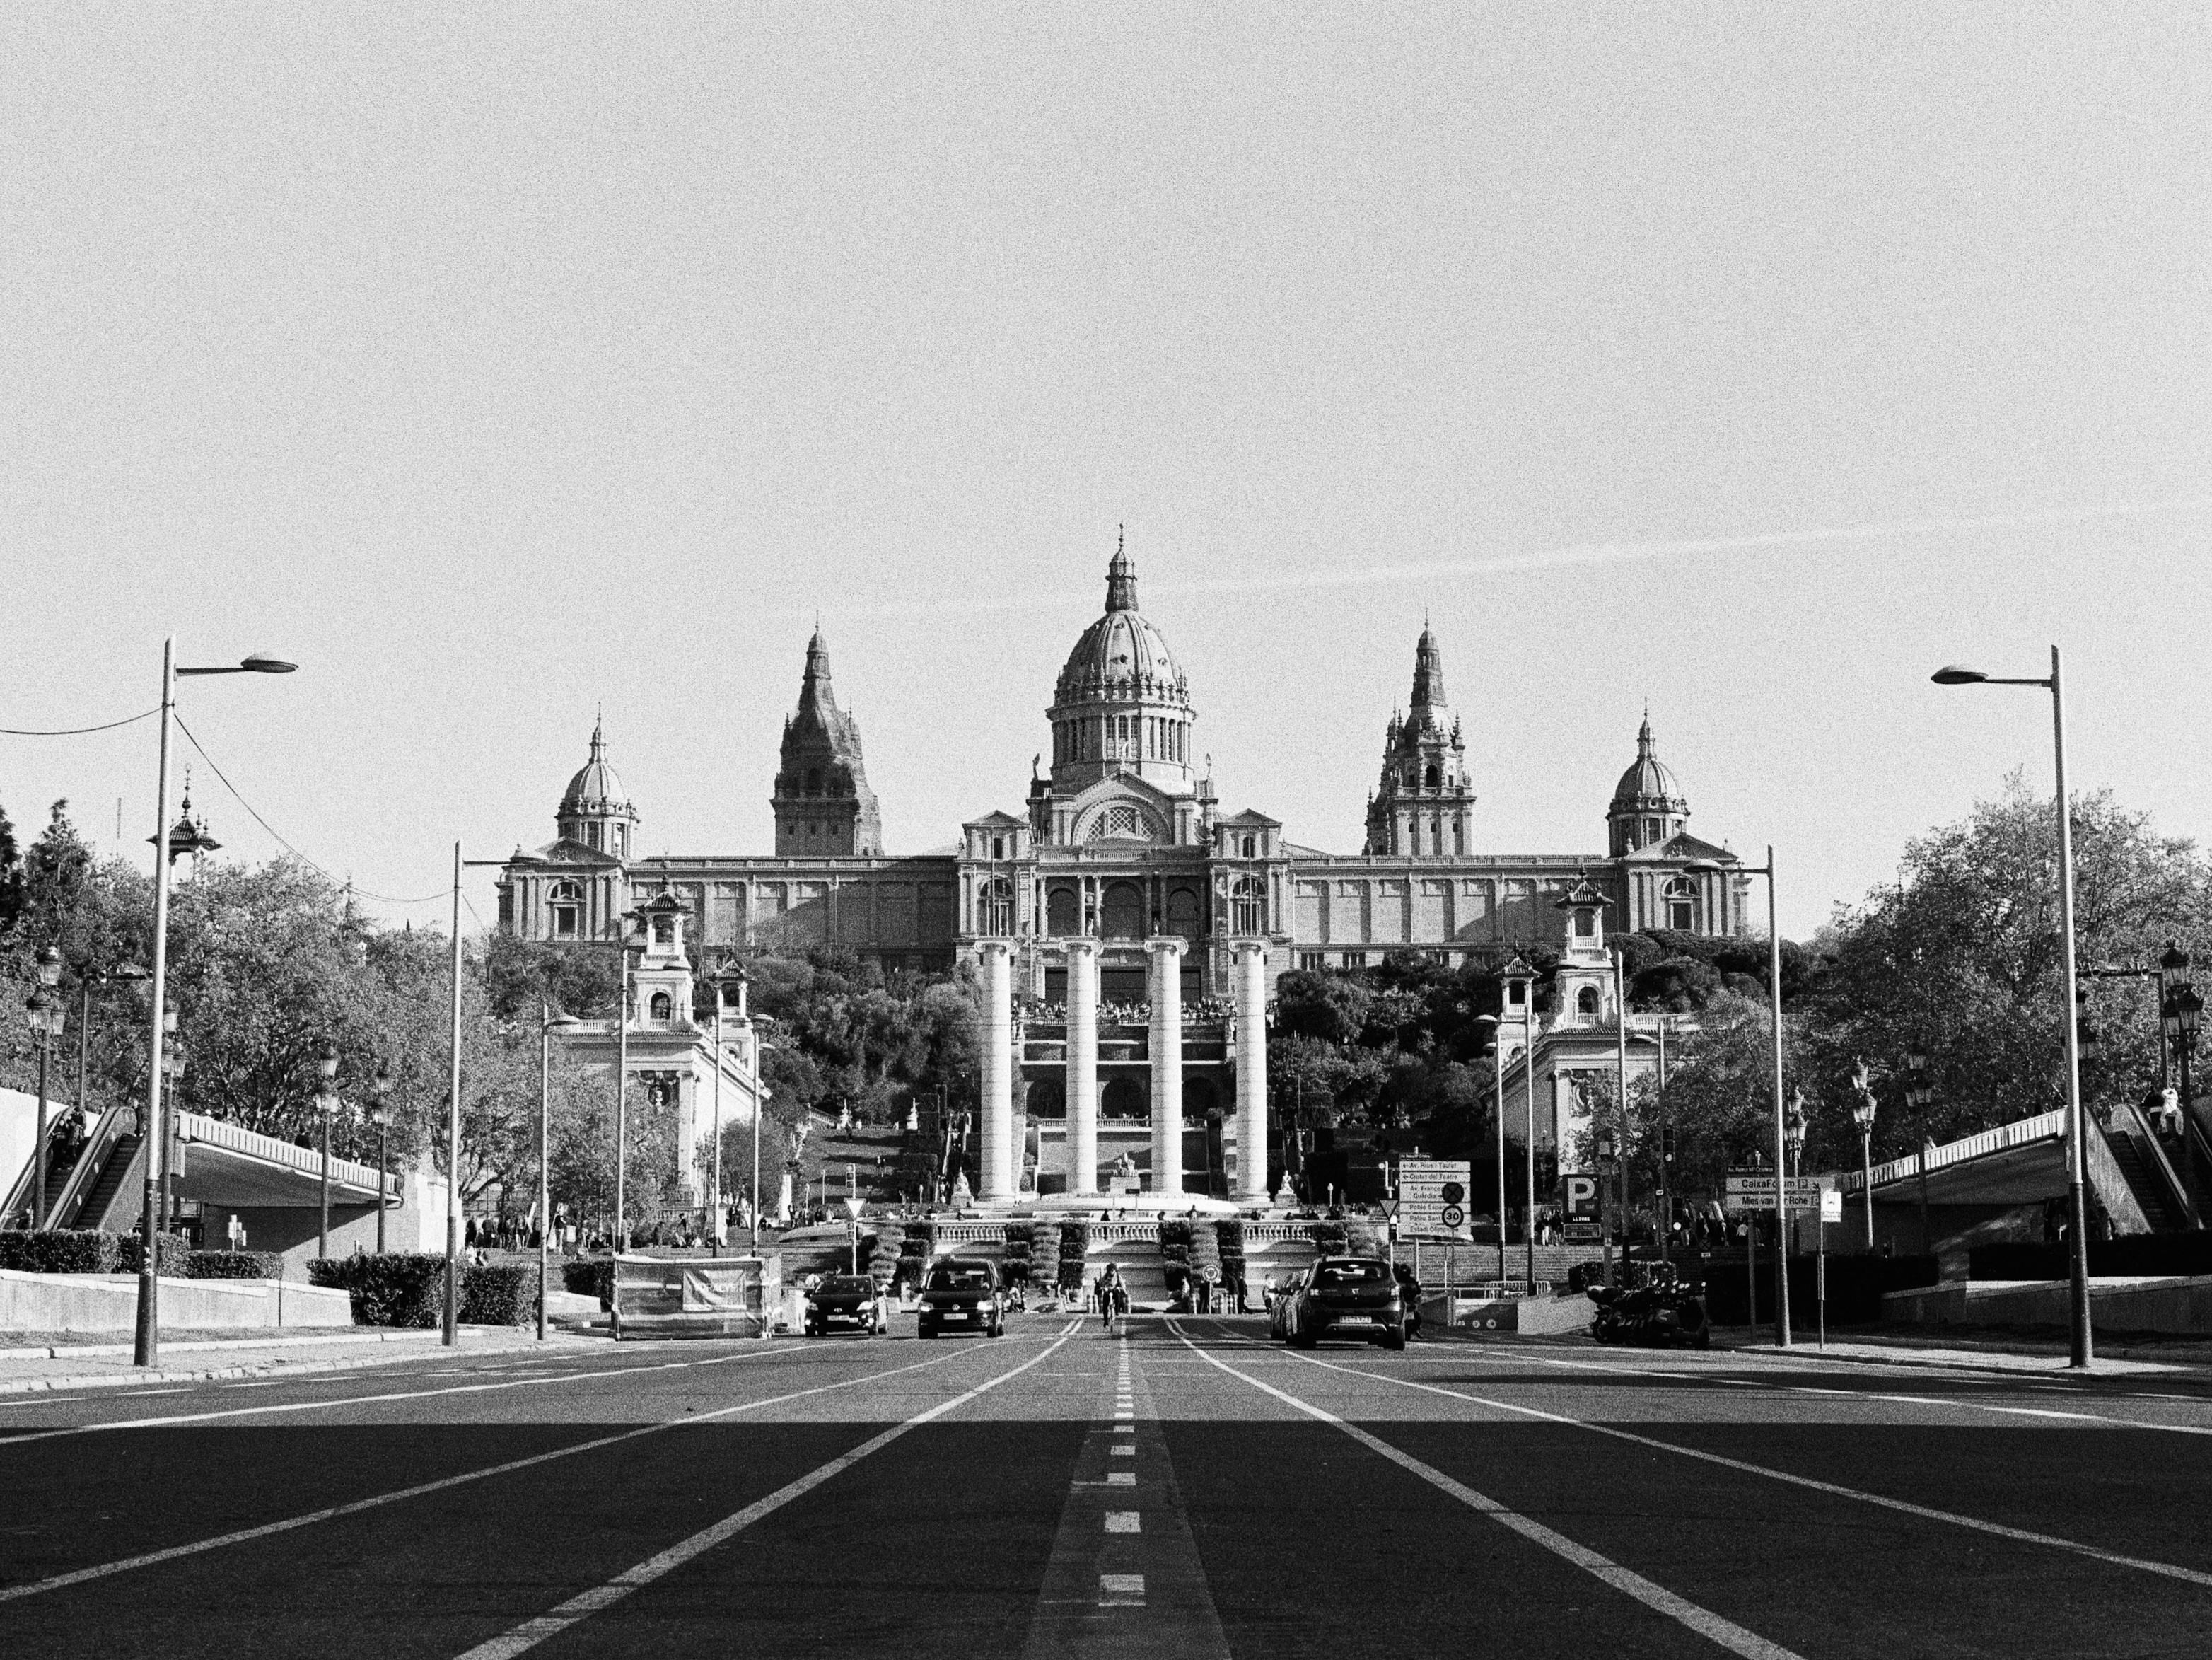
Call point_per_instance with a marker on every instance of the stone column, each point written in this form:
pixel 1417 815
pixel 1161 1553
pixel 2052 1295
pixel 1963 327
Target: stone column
pixel 1167 1065
pixel 1251 1072
pixel 1083 1066
pixel 998 1073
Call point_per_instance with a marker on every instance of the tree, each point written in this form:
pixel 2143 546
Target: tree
pixel 11 875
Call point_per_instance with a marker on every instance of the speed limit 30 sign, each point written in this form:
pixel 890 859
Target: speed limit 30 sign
pixel 1432 1196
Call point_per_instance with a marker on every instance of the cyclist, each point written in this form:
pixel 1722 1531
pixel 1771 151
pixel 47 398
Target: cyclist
pixel 1113 1296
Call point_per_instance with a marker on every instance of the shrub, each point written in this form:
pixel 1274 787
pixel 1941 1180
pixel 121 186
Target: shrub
pixel 59 1252
pixel 173 1254
pixel 1044 1252
pixel 884 1252
pixel 589 1276
pixel 495 1295
pixel 401 1289
pixel 1075 1242
pixel 1328 1237
pixel 1362 1238
pixel 234 1265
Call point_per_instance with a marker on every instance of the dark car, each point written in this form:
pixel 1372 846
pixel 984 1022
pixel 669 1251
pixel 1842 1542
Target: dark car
pixel 1346 1297
pixel 843 1301
pixel 962 1294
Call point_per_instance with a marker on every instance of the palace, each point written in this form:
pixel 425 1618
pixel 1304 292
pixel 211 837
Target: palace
pixel 1126 915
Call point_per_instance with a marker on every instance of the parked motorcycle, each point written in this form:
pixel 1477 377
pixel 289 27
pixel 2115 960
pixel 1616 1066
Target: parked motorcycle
pixel 1661 1313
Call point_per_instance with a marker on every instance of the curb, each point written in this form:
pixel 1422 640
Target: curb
pixel 100 1380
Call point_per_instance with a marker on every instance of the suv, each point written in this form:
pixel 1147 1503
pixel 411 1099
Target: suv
pixel 962 1293
pixel 1352 1297
pixel 842 1299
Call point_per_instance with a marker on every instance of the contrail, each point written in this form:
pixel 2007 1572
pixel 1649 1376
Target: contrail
pixel 1581 555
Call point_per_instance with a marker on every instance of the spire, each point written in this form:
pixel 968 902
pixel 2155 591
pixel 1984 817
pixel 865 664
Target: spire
pixel 598 737
pixel 814 686
pixel 1428 672
pixel 1120 574
pixel 1645 749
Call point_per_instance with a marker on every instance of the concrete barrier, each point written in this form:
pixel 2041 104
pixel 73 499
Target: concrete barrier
pixel 2177 1306
pixel 109 1302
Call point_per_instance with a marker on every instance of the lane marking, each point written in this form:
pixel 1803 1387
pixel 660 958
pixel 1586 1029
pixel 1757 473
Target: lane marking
pixel 2171 1571
pixel 1129 1451
pixel 1122 1521
pixel 528 1635
pixel 172 1420
pixel 1715 1629
pixel 242 1535
pixel 1120 1591
pixel 1121 1478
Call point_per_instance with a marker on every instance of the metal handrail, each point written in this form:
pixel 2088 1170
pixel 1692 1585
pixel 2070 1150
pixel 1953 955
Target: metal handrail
pixel 98 1147
pixel 2045 1126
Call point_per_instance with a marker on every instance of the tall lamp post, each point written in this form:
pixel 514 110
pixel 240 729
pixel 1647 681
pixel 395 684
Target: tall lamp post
pixel 1519 981
pixel 1493 1035
pixel 1780 1130
pixel 1863 1116
pixel 2079 1350
pixel 1918 1097
pixel 2183 1010
pixel 326 1109
pixel 1793 1135
pixel 548 1023
pixel 47 1018
pixel 146 1347
pixel 380 1114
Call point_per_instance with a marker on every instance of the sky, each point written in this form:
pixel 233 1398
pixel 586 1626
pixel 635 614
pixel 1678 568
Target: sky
pixel 502 364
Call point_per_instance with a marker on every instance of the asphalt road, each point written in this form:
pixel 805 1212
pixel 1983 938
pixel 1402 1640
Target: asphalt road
pixel 1187 1489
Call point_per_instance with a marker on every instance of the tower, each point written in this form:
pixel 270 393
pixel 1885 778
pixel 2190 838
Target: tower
pixel 1647 807
pixel 1423 808
pixel 823 806
pixel 1121 705
pixel 593 809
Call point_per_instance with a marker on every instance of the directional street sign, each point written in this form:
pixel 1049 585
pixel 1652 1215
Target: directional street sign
pixel 1755 1191
pixel 1432 1196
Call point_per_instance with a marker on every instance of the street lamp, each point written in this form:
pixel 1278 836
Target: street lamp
pixel 2183 1010
pixel 46 1019
pixel 1793 1135
pixel 1780 1130
pixel 1490 1041
pixel 172 1069
pixel 548 1023
pixel 146 1347
pixel 380 1114
pixel 1863 1115
pixel 2076 1135
pixel 326 1107
pixel 1518 987
pixel 1917 1096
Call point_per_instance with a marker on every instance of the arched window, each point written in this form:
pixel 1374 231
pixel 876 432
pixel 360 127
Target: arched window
pixel 1585 924
pixel 1434 779
pixel 1586 1001
pixel 1651 831
pixel 1250 846
pixel 661 1008
pixel 1063 913
pixel 814 781
pixel 1459 837
pixel 567 903
pixel 1682 905
pixel 1247 906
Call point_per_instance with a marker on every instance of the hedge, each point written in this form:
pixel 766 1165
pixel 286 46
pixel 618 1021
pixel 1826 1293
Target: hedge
pixel 2147 1256
pixel 1044 1253
pixel 402 1288
pixel 1074 1244
pixel 1328 1237
pixel 498 1295
pixel 59 1251
pixel 173 1254
pixel 1229 1240
pixel 589 1276
pixel 234 1265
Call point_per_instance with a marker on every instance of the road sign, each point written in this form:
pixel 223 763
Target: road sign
pixel 1755 1191
pixel 1432 1196
pixel 1579 1196
pixel 1831 1204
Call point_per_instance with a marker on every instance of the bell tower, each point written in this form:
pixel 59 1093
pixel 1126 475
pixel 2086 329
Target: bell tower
pixel 1424 807
pixel 823 806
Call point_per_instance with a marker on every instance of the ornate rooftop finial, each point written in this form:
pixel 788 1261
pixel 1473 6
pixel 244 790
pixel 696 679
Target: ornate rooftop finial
pixel 1120 574
pixel 1428 671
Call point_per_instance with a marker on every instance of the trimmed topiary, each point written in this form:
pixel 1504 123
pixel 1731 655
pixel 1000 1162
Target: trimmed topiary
pixel 173 1254
pixel 234 1265
pixel 59 1251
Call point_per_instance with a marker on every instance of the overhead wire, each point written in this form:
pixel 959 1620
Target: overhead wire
pixel 281 840
pixel 79 732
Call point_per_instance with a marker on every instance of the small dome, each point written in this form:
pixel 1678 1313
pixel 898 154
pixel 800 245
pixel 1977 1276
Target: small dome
pixel 1648 782
pixel 594 788
pixel 1122 656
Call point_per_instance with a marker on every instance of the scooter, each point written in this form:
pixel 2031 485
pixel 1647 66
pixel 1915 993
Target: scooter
pixel 1661 1313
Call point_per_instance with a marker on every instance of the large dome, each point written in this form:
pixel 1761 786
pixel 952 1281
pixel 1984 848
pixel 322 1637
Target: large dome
pixel 1121 657
pixel 1648 782
pixel 594 788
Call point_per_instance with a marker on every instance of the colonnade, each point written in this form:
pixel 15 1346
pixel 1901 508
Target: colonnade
pixel 1001 1159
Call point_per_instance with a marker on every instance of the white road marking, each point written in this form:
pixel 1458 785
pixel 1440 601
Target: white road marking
pixel 1121 1478
pixel 1712 1626
pixel 1122 1521
pixel 1123 1452
pixel 1125 1429
pixel 101 1571
pixel 1120 1591
pixel 528 1635
pixel 2170 1570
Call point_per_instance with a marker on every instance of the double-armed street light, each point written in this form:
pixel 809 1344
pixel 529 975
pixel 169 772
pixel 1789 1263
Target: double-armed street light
pixel 326 1109
pixel 1863 1116
pixel 2079 1348
pixel 146 1347
pixel 380 1114
pixel 1713 866
pixel 46 1017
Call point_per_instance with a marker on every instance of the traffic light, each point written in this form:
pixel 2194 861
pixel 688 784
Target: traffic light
pixel 1667 1144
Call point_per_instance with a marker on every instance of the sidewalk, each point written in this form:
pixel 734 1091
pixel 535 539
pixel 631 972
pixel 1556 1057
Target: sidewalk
pixel 1990 1349
pixel 29 1362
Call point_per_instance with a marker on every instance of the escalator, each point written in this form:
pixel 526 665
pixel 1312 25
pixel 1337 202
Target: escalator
pixel 2149 1193
pixel 110 1201
pixel 2160 1192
